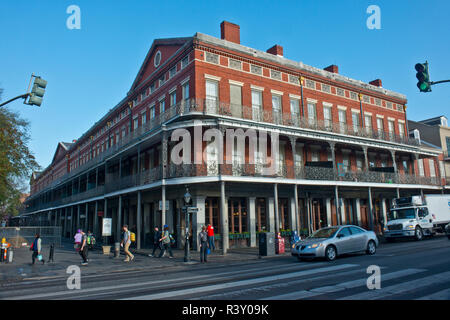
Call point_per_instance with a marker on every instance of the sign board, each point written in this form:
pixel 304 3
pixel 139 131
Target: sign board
pixel 99 213
pixel 106 227
pixel 167 205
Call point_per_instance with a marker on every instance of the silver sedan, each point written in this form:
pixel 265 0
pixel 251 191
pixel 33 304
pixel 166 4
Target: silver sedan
pixel 333 241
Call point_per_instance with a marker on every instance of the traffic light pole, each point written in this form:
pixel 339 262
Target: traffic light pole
pixel 24 96
pixel 436 82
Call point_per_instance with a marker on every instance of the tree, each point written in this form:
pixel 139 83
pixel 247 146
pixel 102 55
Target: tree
pixel 16 160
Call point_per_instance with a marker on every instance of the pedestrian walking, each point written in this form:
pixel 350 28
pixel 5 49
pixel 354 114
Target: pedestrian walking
pixel 203 241
pixel 165 240
pixel 156 243
pixel 210 231
pixel 126 241
pixel 36 247
pixel 83 248
pixel 77 240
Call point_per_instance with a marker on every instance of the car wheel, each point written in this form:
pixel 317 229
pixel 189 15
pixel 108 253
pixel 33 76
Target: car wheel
pixel 371 247
pixel 330 253
pixel 418 234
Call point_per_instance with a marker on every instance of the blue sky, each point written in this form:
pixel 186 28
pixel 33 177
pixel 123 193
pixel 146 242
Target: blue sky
pixel 90 70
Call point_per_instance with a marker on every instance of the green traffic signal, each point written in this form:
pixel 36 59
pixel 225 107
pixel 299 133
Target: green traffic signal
pixel 423 77
pixel 37 93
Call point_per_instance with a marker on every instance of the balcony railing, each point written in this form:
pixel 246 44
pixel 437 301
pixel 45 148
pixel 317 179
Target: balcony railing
pixel 212 169
pixel 216 108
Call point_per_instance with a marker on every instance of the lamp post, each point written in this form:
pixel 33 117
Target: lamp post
pixel 187 200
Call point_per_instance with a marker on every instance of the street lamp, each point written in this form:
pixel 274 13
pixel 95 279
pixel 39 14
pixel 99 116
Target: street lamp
pixel 187 200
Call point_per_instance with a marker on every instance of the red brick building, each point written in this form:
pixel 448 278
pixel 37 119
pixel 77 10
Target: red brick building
pixel 343 152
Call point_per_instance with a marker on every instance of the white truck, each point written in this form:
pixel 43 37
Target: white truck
pixel 416 217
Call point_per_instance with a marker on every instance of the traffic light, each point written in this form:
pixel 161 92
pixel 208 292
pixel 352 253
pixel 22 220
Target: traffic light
pixel 37 92
pixel 423 76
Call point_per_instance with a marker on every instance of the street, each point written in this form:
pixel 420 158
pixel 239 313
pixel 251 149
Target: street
pixel 409 270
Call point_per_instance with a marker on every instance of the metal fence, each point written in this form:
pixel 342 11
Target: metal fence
pixel 18 235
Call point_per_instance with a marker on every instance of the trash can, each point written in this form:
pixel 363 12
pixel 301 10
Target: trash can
pixel 117 250
pixel 266 244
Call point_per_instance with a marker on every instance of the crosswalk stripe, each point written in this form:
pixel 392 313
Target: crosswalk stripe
pixel 134 285
pixel 340 286
pixel 441 295
pixel 240 283
pixel 400 288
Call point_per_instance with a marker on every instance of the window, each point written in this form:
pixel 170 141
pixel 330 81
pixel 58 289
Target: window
pixel 235 64
pixel 295 110
pixel 212 57
pixel 172 72
pixel 161 80
pixel 356 230
pixel 143 118
pixel 184 62
pixel 401 129
pixel 353 95
pixel 345 162
pixel 312 116
pixel 256 105
pixel 236 100
pixel 432 168
pixel 275 74
pixel 355 121
pixel 314 155
pixel 185 92
pixel 173 98
pixel 276 109
pixel 380 126
pixel 391 128
pixel 212 94
pixel 345 232
pixel 255 69
pixel 135 123
pixel 342 120
pixel 378 102
pixel 152 88
pixel 293 79
pixel 326 88
pixel 359 163
pixel 368 123
pixel 327 118
pixel 162 106
pixel 298 157
pixel 420 165
pixel 152 112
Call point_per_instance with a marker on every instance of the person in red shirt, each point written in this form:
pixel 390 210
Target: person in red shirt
pixel 210 231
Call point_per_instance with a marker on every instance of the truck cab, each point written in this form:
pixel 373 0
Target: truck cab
pixel 409 217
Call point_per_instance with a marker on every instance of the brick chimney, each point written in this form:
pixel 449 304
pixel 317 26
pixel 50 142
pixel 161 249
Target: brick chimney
pixel 276 50
pixel 333 68
pixel 376 82
pixel 230 32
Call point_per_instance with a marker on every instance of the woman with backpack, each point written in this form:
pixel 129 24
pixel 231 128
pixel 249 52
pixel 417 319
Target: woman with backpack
pixel 203 241
pixel 165 240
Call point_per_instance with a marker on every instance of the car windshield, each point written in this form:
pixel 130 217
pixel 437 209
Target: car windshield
pixel 324 233
pixel 402 214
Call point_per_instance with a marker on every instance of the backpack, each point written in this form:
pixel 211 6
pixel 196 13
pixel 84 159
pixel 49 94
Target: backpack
pixel 203 237
pixel 132 237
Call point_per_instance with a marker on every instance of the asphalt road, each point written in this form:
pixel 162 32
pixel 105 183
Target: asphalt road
pixel 408 270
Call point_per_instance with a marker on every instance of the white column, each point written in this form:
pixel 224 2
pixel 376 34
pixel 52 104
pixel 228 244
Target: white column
pixel 358 210
pixel 198 220
pixel 292 220
pixel 342 212
pixel 271 214
pixel 139 220
pixel 224 218
pixel 297 211
pixel 277 214
pixel 181 232
pixel 384 210
pixel 328 208
pixel 163 207
pixel 252 220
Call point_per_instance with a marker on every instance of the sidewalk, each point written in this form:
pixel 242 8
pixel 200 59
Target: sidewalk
pixel 21 268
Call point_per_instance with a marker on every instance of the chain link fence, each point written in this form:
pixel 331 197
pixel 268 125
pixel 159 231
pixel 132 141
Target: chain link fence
pixel 17 236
